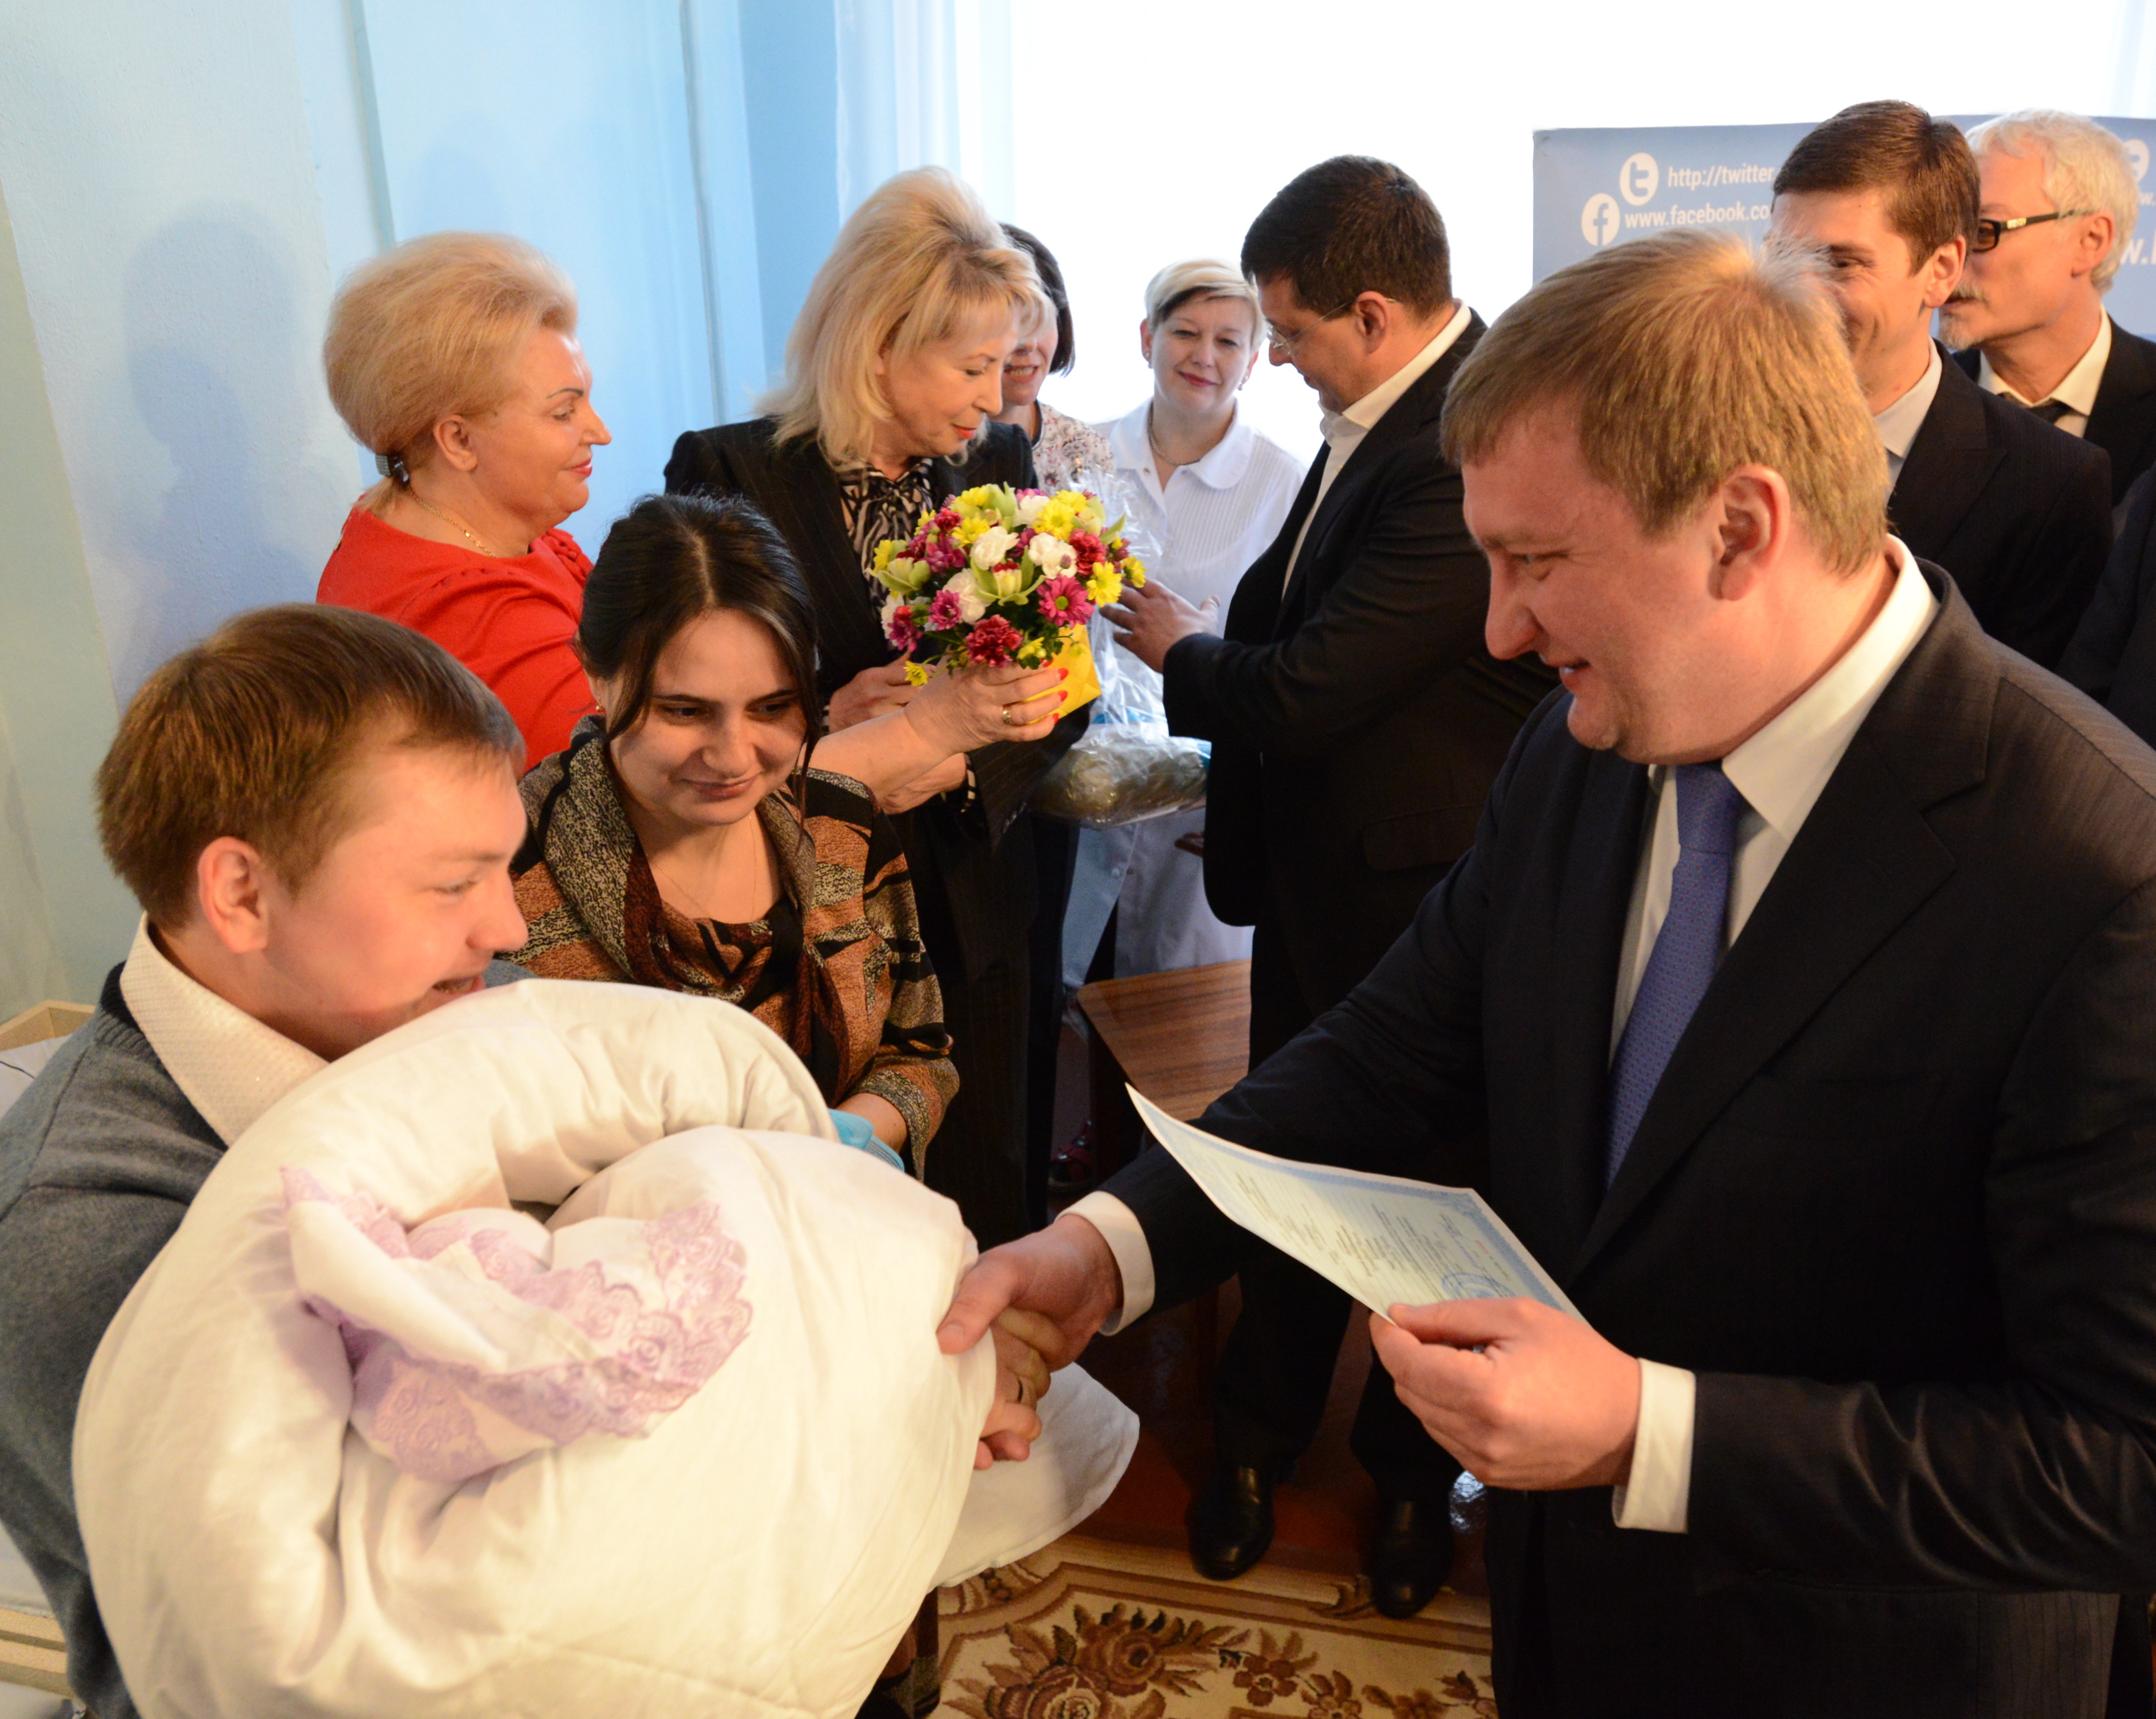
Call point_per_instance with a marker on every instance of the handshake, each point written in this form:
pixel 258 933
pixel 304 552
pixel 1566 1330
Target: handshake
pixel 1044 1297
pixel 1524 1396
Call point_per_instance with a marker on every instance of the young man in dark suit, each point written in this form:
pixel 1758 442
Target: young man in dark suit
pixel 2019 513
pixel 1800 986
pixel 1356 720
pixel 2059 202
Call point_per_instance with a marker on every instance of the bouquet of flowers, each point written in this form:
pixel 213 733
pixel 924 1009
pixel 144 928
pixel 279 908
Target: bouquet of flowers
pixel 999 574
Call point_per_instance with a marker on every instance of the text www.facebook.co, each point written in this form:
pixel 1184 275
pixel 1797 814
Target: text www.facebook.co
pixel 1709 217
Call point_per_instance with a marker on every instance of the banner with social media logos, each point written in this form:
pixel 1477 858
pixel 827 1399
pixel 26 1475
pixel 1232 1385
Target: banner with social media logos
pixel 1600 186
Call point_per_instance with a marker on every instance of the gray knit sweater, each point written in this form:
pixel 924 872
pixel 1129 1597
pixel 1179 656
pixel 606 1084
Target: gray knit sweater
pixel 98 1161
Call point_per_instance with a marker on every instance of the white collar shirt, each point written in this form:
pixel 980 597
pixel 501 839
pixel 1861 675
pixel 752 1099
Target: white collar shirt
pixel 1214 516
pixel 230 1066
pixel 1781 771
pixel 1898 424
pixel 2076 391
pixel 1343 431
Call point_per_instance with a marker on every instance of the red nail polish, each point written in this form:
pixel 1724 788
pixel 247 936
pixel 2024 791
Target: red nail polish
pixel 1062 673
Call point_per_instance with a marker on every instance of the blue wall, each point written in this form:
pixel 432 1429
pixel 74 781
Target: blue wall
pixel 182 186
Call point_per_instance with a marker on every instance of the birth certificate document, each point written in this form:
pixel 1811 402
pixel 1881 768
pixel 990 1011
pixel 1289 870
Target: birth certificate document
pixel 1385 1240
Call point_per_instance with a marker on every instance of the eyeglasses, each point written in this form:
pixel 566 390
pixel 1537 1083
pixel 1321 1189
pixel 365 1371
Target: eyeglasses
pixel 1989 231
pixel 1285 344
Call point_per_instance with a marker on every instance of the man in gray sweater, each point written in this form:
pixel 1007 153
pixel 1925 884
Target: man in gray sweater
pixel 317 809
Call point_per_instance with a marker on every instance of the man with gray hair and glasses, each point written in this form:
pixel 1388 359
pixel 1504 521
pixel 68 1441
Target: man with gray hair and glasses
pixel 2059 201
pixel 1796 1007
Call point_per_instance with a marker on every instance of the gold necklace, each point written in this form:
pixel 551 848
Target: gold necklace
pixel 458 525
pixel 1152 441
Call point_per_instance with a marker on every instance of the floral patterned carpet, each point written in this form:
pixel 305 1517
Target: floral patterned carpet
pixel 1095 1629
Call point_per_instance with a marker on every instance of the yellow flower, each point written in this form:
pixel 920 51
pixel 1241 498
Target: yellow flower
pixel 980 495
pixel 1033 653
pixel 1134 571
pixel 1105 587
pixel 885 549
pixel 917 673
pixel 1058 518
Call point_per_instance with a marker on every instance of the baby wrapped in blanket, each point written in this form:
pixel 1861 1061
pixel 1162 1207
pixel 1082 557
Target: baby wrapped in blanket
pixel 373 1437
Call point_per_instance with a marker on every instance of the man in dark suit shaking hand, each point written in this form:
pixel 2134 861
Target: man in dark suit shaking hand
pixel 1356 721
pixel 1802 975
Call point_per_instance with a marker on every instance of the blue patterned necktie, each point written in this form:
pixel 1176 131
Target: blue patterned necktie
pixel 1687 951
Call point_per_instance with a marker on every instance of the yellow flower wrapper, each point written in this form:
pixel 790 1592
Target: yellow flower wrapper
pixel 1076 655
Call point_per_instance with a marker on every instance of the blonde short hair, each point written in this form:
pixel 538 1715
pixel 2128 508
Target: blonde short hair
pixel 2085 167
pixel 916 264
pixel 432 330
pixel 1203 278
pixel 1686 355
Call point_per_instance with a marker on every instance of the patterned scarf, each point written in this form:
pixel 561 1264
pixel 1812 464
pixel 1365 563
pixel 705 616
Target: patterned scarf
pixel 877 508
pixel 583 837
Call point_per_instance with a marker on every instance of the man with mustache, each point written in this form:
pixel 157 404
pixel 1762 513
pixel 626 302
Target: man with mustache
pixel 2027 321
pixel 2018 512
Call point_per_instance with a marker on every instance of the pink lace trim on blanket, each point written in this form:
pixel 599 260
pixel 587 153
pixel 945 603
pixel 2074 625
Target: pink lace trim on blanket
pixel 657 1347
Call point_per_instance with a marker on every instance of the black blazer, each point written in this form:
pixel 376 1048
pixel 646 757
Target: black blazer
pixel 960 863
pixel 2017 511
pixel 1356 721
pixel 2123 423
pixel 1893 1202
pixel 2112 658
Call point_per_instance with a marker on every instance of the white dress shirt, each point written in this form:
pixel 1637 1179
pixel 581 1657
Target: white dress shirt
pixel 1898 424
pixel 1344 431
pixel 1780 771
pixel 2076 392
pixel 231 1067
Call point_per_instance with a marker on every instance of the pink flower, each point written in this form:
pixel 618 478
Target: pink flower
pixel 945 555
pixel 902 629
pixel 1063 601
pixel 945 610
pixel 948 519
pixel 1088 547
pixel 993 641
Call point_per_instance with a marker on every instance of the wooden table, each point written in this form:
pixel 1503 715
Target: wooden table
pixel 1181 1037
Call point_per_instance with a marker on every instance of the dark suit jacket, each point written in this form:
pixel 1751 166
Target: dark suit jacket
pixel 1893 1202
pixel 2017 511
pixel 2123 423
pixel 2112 658
pixel 1356 720
pixel 963 869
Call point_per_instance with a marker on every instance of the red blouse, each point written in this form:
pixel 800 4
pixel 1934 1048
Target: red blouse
pixel 508 621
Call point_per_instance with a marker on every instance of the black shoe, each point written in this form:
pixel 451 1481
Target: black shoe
pixel 1231 1524
pixel 1411 1556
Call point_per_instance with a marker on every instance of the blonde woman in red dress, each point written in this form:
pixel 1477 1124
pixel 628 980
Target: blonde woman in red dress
pixel 455 359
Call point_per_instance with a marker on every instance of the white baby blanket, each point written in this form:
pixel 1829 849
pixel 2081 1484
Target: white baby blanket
pixel 367 1441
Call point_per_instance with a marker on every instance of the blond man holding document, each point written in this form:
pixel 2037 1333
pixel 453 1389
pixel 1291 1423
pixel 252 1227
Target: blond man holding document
pixel 1801 988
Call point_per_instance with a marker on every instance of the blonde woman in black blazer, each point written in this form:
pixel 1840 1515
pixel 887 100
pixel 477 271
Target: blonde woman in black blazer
pixel 893 375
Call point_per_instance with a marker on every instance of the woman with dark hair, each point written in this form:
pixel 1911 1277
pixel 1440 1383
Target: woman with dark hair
pixel 686 838
pixel 1068 454
pixel 893 375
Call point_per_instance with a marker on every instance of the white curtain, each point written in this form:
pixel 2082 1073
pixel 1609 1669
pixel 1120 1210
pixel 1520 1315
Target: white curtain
pixel 925 83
